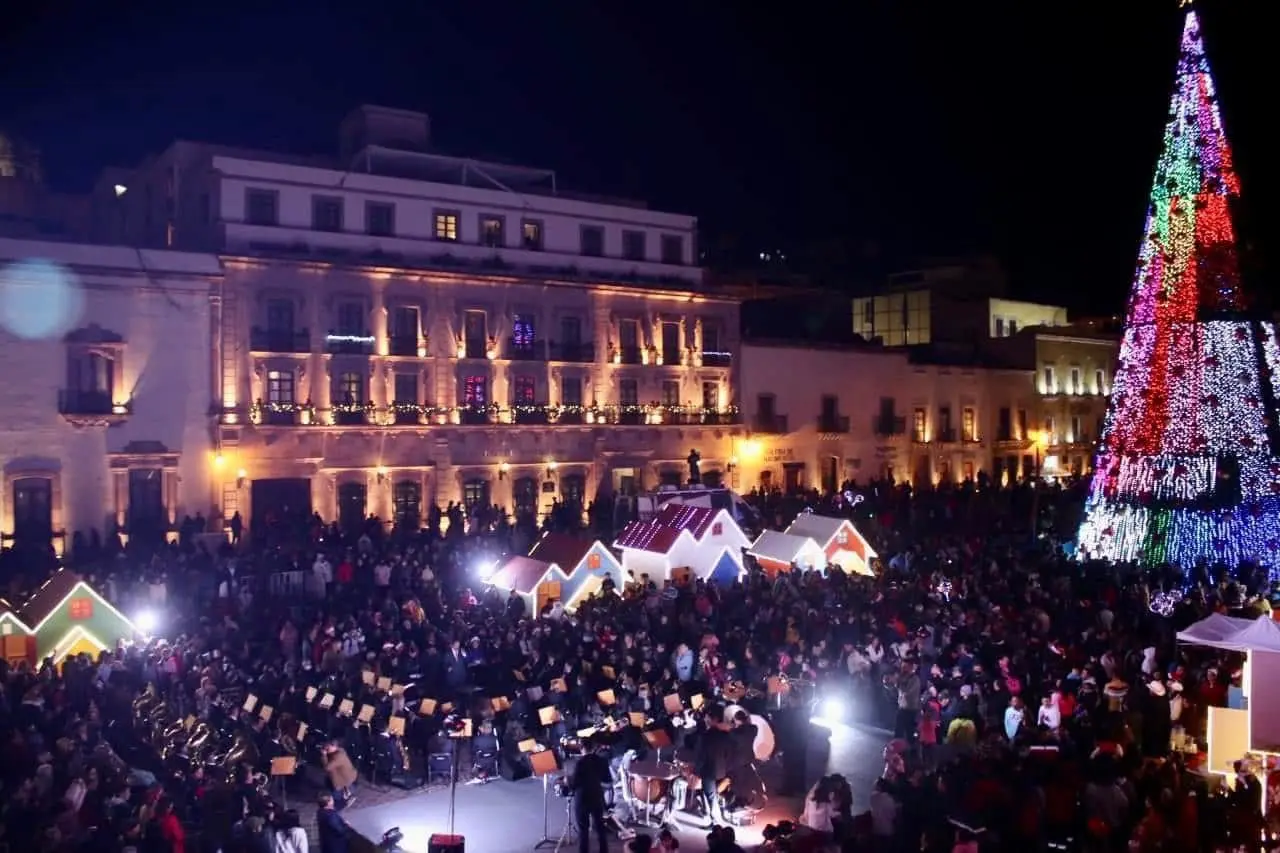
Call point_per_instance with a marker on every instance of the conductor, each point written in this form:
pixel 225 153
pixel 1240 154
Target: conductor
pixel 590 777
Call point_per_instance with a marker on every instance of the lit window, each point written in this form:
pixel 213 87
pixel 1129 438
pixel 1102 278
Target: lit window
pixel 447 226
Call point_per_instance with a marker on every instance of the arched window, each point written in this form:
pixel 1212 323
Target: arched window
pixel 573 490
pixel 475 493
pixel 406 501
pixel 524 497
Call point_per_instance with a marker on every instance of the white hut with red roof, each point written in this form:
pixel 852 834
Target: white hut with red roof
pixel 843 545
pixel 707 541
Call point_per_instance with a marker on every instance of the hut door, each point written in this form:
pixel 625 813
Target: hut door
pixel 548 591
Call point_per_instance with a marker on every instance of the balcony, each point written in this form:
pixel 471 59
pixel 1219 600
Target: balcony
pixel 477 415
pixel 572 353
pixel 717 359
pixel 887 425
pixel 353 414
pixel 833 423
pixel 406 345
pixel 92 408
pixel 474 348
pixel 349 343
pixel 770 424
pixel 531 414
pixel 408 414
pixel 282 414
pixel 279 340
pixel 947 436
pixel 629 355
pixel 526 350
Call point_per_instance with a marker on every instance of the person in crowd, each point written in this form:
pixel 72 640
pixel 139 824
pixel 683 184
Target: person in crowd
pixel 591 776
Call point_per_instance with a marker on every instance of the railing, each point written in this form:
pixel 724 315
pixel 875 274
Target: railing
pixel 573 353
pixel 887 425
pixel 526 414
pixel 526 350
pixel 770 424
pixel 833 423
pixel 349 343
pixel 717 359
pixel 72 401
pixel 403 345
pixel 279 340
pixel 629 355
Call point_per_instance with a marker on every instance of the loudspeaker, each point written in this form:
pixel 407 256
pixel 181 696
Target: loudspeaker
pixel 446 844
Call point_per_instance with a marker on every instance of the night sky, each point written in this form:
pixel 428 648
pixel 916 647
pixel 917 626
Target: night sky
pixel 854 141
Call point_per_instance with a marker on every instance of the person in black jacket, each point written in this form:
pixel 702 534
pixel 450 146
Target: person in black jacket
pixel 333 829
pixel 590 777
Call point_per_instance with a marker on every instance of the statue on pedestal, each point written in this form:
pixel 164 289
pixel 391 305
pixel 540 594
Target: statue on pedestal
pixel 695 472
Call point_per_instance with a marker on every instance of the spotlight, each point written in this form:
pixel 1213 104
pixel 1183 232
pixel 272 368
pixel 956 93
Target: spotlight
pixel 832 709
pixel 486 569
pixel 146 622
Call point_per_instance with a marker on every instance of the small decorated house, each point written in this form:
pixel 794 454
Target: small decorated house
pixel 776 552
pixel 649 548
pixel 585 563
pixel 715 533
pixel 536 582
pixel 839 540
pixel 64 617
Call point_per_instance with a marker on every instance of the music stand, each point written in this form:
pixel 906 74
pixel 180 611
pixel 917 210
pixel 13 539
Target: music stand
pixel 658 740
pixel 281 769
pixel 544 766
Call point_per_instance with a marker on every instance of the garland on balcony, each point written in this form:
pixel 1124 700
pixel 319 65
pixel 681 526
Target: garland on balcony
pixel 595 413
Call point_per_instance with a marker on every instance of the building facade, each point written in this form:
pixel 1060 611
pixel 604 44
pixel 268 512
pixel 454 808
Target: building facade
pixel 401 328
pixel 823 415
pixel 108 388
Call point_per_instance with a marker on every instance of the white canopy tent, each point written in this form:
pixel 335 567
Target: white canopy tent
pixel 1234 634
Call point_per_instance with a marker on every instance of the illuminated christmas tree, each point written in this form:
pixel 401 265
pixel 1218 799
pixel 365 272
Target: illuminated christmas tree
pixel 1187 467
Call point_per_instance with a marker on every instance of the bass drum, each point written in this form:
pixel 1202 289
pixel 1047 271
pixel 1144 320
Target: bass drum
pixel 765 743
pixel 730 712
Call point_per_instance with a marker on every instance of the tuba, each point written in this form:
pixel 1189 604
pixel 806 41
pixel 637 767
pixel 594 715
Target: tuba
pixel 200 740
pixel 243 751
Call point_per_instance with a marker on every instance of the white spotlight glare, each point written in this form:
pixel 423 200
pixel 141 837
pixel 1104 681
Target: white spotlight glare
pixel 486 569
pixel 831 710
pixel 146 622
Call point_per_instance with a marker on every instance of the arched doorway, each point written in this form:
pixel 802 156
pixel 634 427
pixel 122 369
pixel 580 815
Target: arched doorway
pixel 524 497
pixel 352 500
pixel 406 500
pixel 33 511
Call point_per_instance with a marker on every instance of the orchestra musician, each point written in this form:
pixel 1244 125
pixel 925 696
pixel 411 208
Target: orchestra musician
pixel 711 760
pixel 590 778
pixel 341 772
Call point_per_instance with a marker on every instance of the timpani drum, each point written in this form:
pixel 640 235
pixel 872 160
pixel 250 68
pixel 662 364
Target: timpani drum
pixel 764 744
pixel 646 790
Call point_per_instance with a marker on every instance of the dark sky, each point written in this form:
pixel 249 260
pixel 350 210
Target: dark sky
pixel 884 131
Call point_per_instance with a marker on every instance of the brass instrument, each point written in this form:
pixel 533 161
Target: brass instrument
pixel 242 751
pixel 200 738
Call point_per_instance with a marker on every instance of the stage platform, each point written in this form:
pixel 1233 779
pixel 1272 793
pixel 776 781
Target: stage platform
pixel 506 817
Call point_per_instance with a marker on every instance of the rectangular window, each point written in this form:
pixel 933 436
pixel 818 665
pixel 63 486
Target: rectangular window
pixel 280 387
pixel 351 319
pixel 919 425
pixel 405 324
pixel 628 335
pixel 829 408
pixel 406 388
pixel 628 393
pixel 326 213
pixel 672 249
pixel 1077 381
pixel 571 391
pixel 944 419
pixel 1004 424
pixel 351 389
pixel 491 231
pixel 475 334
pixel 593 241
pixel 261 207
pixel 280 315
pixel 446 226
pixel 1050 430
pixel 670 393
pixel 671 343
pixel 999 327
pixel 710 338
pixel 531 235
pixel 968 424
pixel 522 331
pixel 525 391
pixel 1050 380
pixel 1024 432
pixel 1099 381
pixel 1013 328
pixel 571 331
pixel 380 219
pixel 711 395
pixel 475 391
pixel 1077 429
pixel 766 406
pixel 633 248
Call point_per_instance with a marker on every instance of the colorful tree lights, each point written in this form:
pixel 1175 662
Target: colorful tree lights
pixel 1187 468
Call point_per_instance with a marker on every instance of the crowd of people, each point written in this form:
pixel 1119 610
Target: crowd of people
pixel 1033 700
